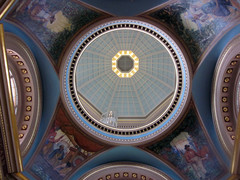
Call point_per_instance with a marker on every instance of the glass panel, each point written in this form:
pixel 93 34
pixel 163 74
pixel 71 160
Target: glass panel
pixel 14 91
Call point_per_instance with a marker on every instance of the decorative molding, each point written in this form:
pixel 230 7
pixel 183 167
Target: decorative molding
pixel 5 8
pixel 8 119
pixel 162 123
pixel 225 94
pixel 125 170
pixel 24 68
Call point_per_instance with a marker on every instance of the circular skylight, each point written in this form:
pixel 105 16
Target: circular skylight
pixel 125 63
pixel 129 69
pixel 136 96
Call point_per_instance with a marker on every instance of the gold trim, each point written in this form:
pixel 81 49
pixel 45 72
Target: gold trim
pixel 235 167
pixel 9 103
pixel 118 71
pixel 7 5
pixel 4 136
pixel 1 170
pixel 234 177
pixel 20 176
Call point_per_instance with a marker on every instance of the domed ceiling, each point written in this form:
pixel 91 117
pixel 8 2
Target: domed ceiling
pixel 135 89
pixel 131 68
pixel 134 96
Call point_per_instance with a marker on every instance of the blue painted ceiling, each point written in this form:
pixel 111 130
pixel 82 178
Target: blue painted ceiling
pixel 201 88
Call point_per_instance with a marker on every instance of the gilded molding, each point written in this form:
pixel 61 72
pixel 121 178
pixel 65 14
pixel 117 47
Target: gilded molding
pixel 6 6
pixel 9 119
pixel 4 136
pixel 19 176
pixel 236 150
pixel 224 95
pixel 234 177
pixel 27 78
pixel 125 170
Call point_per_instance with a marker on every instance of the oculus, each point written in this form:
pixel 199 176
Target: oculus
pixel 129 67
pixel 125 64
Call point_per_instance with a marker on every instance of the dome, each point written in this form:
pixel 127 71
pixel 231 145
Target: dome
pixel 129 67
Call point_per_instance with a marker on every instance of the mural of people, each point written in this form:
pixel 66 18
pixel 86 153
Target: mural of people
pixel 198 22
pixel 64 150
pixel 53 22
pixel 217 7
pixel 67 163
pixel 56 155
pixel 195 160
pixel 188 150
pixel 51 140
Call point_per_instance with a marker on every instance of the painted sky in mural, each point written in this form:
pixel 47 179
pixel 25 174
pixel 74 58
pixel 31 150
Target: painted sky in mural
pixel 198 22
pixel 189 151
pixel 53 22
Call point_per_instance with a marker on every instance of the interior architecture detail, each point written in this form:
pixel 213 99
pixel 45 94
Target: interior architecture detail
pixel 226 94
pixel 125 171
pixel 142 115
pixel 26 89
pixel 125 64
pixel 117 90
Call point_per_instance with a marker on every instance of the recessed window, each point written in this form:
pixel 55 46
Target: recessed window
pixel 14 91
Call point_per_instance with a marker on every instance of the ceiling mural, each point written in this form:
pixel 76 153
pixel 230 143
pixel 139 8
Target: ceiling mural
pixel 189 150
pixel 63 150
pixel 198 22
pixel 53 22
pixel 122 88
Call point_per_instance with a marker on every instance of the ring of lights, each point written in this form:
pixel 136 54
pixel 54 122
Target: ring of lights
pixel 118 71
pixel 135 135
pixel 125 171
pixel 225 101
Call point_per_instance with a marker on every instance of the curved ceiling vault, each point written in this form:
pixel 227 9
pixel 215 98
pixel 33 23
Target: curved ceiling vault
pixel 116 91
pixel 147 103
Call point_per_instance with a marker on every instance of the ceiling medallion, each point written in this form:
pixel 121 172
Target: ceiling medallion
pixel 125 64
pixel 132 69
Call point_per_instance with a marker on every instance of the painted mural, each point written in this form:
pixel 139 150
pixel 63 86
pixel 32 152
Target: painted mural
pixel 53 22
pixel 198 22
pixel 189 151
pixel 64 150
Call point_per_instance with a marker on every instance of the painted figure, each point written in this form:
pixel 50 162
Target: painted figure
pixel 56 156
pixel 67 163
pixel 217 7
pixel 51 140
pixel 195 160
pixel 41 12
